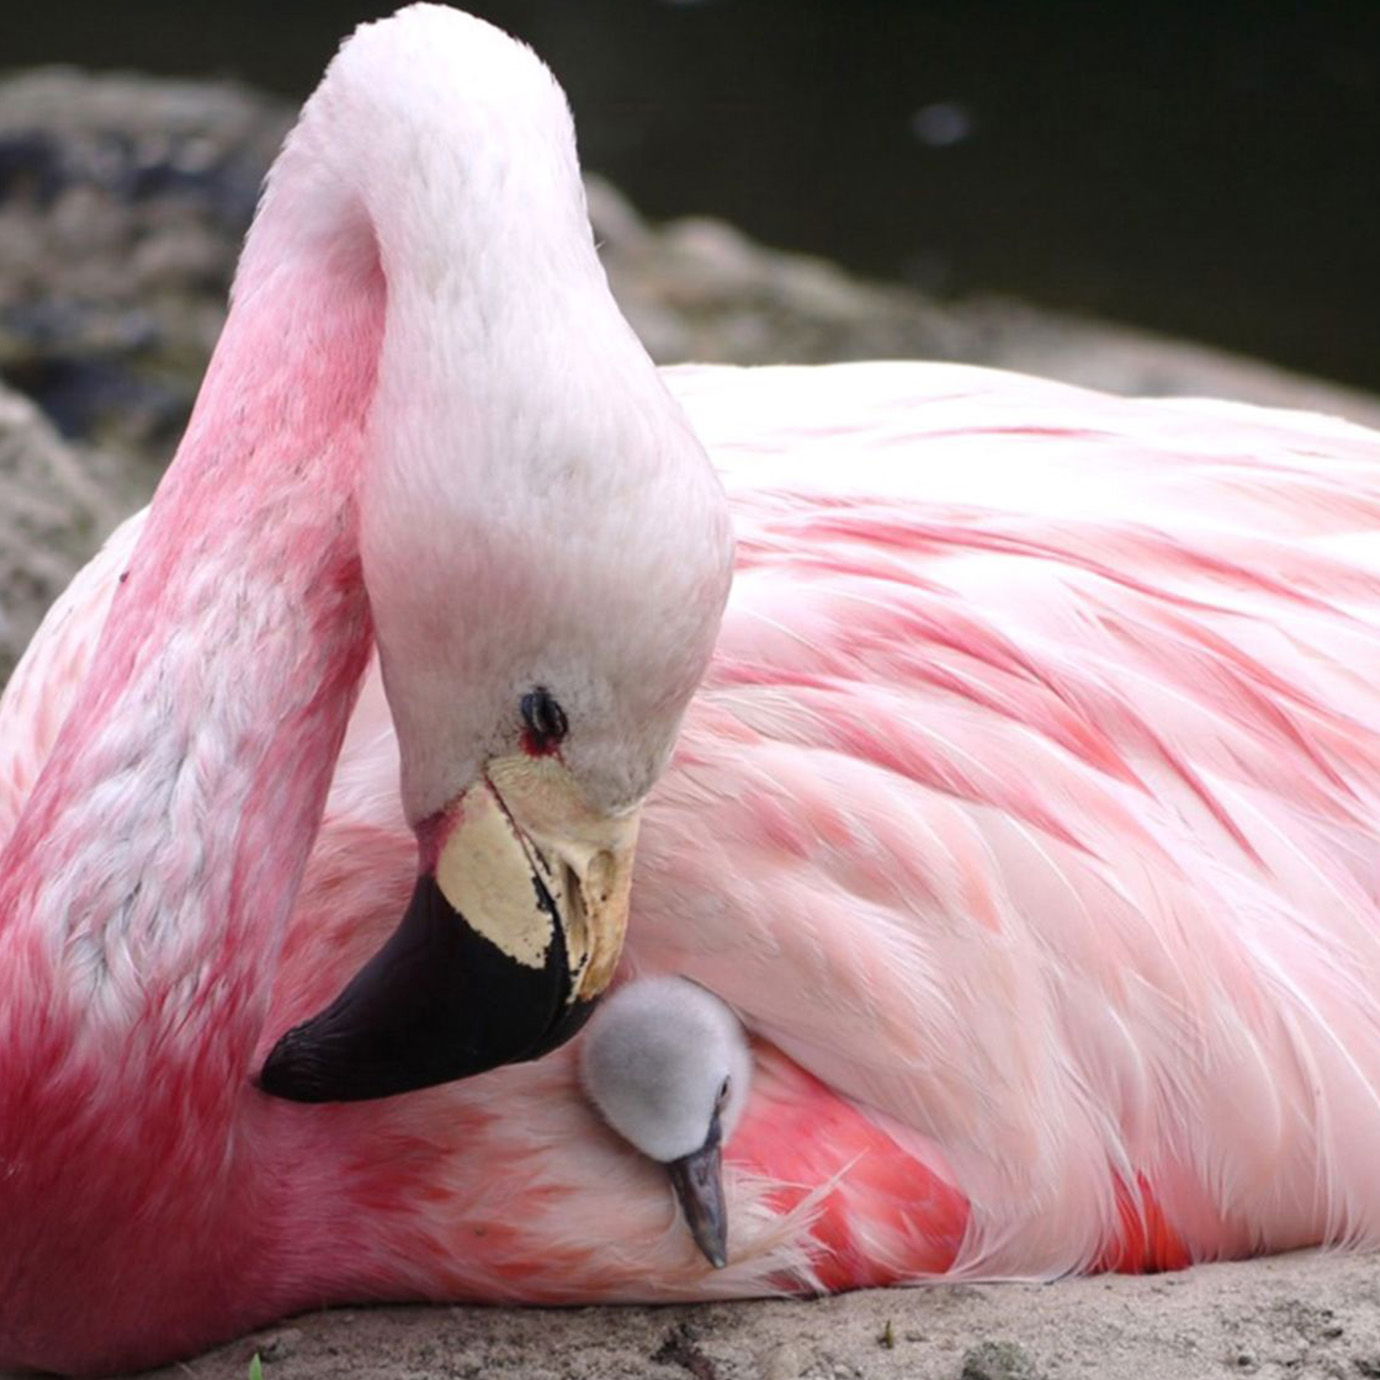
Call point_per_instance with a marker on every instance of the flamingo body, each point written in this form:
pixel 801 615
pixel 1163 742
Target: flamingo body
pixel 1025 816
pixel 1024 826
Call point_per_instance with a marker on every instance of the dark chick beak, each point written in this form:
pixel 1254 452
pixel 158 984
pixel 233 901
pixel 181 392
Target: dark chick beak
pixel 499 959
pixel 698 1181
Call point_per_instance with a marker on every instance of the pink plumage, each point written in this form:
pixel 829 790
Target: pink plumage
pixel 1025 815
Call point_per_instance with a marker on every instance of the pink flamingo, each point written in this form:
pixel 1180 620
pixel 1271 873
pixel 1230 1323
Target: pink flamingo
pixel 1025 814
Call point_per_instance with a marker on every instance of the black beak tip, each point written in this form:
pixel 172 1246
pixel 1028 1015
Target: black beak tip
pixel 565 1027
pixel 439 1001
pixel 290 1071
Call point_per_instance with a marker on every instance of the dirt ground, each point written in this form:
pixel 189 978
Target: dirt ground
pixel 1302 1316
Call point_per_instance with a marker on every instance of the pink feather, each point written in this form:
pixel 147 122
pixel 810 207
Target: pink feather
pixel 1026 829
pixel 1026 816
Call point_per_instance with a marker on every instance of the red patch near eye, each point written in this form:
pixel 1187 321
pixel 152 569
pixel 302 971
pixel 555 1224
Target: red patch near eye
pixel 534 745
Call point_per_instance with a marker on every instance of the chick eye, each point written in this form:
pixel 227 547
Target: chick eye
pixel 544 721
pixel 723 1093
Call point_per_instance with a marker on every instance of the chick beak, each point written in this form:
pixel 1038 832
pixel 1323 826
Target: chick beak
pixel 698 1181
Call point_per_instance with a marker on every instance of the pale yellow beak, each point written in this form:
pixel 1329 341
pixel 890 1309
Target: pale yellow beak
pixel 509 939
pixel 527 822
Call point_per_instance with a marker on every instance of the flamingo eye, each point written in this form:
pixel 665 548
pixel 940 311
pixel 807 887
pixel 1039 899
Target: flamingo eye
pixel 545 722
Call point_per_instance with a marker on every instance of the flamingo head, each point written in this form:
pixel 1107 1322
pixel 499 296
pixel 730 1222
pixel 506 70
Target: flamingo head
pixel 545 547
pixel 668 1067
pixel 542 626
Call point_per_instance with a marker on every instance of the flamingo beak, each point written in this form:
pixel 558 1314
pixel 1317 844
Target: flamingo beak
pixel 509 939
pixel 699 1184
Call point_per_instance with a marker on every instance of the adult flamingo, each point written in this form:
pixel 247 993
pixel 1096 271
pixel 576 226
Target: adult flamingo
pixel 407 430
pixel 1025 814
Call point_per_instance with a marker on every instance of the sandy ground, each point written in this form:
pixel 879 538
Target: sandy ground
pixel 1301 1316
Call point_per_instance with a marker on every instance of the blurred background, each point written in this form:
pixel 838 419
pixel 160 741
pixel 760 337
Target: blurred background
pixel 1143 198
pixel 1205 169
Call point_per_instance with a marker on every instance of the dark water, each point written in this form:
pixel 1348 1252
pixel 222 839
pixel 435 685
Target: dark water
pixel 1208 169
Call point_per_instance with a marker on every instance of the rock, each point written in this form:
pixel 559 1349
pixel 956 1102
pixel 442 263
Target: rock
pixel 56 503
pixel 123 201
pixel 698 289
pixel 998 1361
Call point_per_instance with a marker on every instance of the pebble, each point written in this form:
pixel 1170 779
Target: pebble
pixel 998 1361
pixel 278 1346
pixel 783 1362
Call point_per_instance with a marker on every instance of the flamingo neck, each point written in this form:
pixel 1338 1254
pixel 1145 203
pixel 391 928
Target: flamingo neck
pixel 146 887
pixel 164 841
pixel 419 210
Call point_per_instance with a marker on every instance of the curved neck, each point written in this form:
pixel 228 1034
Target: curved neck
pixel 147 884
pixel 427 199
pixel 384 296
pixel 167 832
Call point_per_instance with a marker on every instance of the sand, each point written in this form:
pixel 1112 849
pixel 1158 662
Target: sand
pixel 1296 1316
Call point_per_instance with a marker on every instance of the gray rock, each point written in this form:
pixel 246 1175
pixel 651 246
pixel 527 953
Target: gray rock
pixel 123 201
pixel 700 290
pixel 122 204
pixel 56 503
pixel 998 1361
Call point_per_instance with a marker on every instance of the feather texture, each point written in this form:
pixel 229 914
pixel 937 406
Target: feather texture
pixel 1025 815
pixel 1023 818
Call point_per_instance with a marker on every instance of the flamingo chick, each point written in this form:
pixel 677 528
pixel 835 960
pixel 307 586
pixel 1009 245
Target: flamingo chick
pixel 668 1067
